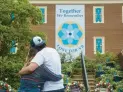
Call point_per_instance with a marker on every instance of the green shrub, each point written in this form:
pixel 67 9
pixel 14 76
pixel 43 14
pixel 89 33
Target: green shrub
pixel 16 16
pixel 108 56
pixel 66 67
pixel 75 67
pixel 12 63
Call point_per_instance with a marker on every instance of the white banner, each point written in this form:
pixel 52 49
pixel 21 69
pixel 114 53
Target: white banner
pixel 70 29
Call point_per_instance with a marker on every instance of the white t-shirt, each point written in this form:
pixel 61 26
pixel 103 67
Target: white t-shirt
pixel 51 59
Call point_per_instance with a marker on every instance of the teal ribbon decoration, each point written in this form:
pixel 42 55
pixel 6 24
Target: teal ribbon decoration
pixel 12 16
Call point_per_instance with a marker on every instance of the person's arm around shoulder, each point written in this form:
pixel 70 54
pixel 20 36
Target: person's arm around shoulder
pixel 35 63
pixel 28 69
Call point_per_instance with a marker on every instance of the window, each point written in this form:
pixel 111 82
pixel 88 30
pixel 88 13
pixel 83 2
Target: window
pixel 98 14
pixel 44 13
pixel 99 45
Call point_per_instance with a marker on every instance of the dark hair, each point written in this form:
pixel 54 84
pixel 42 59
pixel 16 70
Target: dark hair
pixel 40 47
pixel 32 52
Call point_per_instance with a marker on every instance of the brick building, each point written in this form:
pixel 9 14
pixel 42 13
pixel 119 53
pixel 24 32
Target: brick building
pixel 103 23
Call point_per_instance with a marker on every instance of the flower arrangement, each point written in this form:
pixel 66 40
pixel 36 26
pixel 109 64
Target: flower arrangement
pixel 5 86
pixel 74 87
pixel 106 85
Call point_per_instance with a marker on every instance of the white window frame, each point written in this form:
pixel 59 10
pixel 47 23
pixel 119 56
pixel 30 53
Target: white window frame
pixel 94 13
pixel 45 7
pixel 103 44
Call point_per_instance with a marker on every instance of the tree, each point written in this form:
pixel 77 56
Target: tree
pixel 16 16
pixel 15 19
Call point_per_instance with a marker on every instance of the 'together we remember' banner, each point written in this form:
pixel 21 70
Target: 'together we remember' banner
pixel 70 29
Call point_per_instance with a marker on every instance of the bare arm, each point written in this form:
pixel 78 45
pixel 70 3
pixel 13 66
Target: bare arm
pixel 28 69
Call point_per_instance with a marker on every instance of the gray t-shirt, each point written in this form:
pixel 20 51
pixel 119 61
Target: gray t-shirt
pixel 51 59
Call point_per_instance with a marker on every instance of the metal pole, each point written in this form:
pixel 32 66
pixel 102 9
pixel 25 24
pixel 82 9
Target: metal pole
pixel 84 72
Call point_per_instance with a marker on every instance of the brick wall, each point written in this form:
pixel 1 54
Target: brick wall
pixel 111 29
